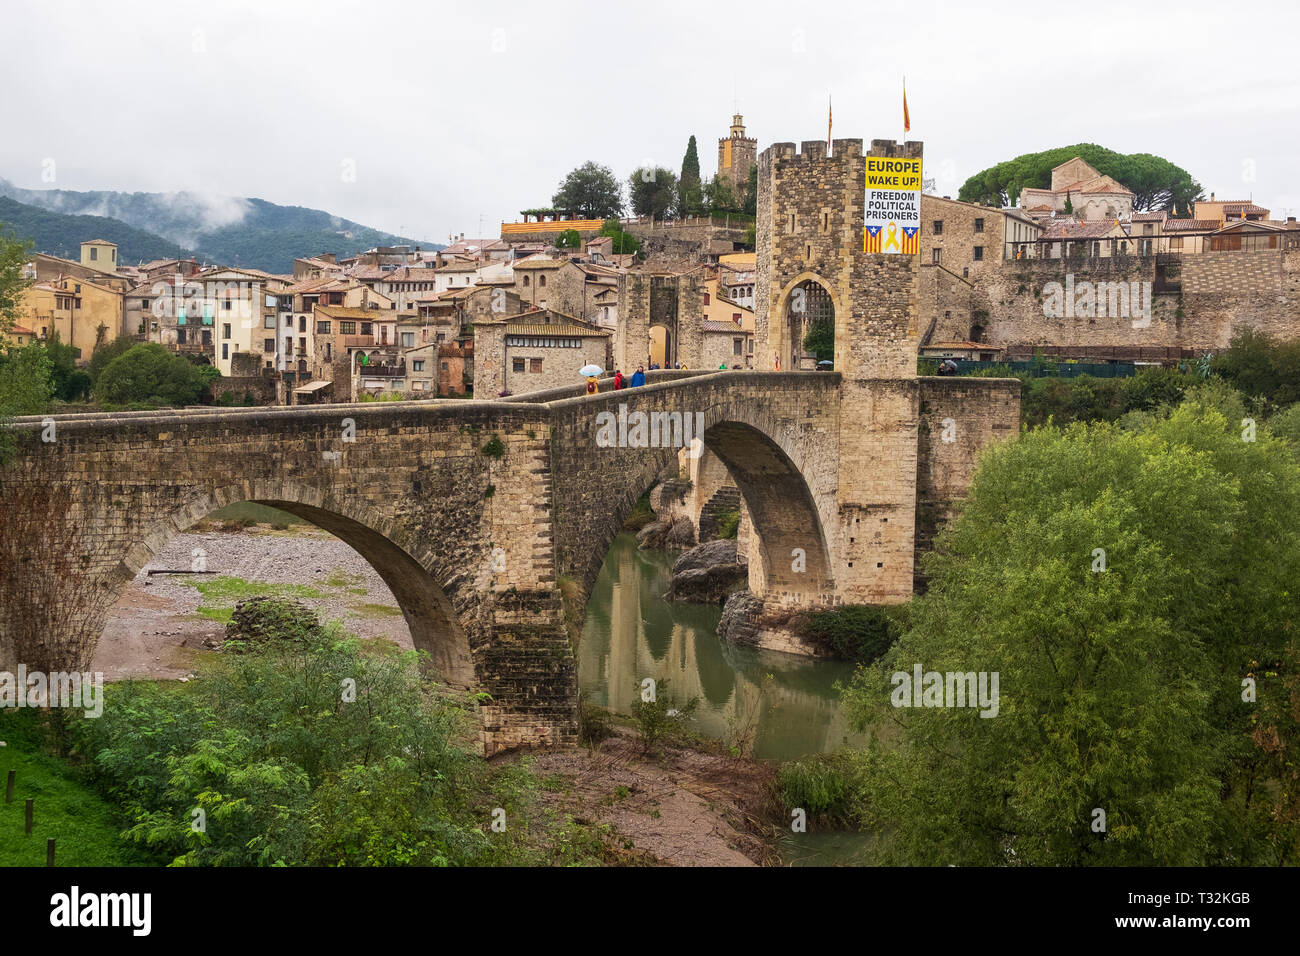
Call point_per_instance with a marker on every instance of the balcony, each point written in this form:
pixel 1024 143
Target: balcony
pixel 381 371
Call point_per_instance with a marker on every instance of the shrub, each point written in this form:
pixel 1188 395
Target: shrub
pixel 661 720
pixel 856 632
pixel 728 523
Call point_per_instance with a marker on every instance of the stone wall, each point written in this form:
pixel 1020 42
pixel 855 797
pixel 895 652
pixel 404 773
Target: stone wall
pixel 960 417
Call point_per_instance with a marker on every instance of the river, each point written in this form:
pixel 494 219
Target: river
pixel 787 706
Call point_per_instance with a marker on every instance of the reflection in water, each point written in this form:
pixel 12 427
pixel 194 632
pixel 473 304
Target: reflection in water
pixel 787 704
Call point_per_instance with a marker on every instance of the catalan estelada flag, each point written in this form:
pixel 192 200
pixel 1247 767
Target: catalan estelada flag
pixel 911 241
pixel 871 239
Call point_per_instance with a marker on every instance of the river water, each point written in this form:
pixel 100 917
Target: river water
pixel 786 705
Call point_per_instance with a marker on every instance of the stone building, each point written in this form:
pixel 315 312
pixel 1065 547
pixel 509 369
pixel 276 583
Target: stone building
pixel 736 153
pixel 965 237
pixel 532 351
pixel 1090 195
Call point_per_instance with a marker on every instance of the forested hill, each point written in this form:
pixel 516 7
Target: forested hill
pixel 228 230
pixel 60 234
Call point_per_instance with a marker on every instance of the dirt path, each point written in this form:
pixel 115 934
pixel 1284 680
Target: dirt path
pixel 156 631
pixel 685 808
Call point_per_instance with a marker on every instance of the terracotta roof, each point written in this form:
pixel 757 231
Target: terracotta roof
pixel 350 312
pixel 1078 230
pixel 539 263
pixel 1190 225
pixel 1158 216
pixel 711 325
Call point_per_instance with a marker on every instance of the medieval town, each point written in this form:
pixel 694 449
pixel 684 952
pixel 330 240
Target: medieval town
pixel 900 484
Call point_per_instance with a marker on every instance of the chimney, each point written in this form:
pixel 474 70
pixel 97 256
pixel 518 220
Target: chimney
pixel 1211 197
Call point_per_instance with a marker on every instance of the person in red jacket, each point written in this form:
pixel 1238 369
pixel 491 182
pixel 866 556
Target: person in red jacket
pixel 618 380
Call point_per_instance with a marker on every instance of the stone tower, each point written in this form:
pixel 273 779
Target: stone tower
pixel 811 267
pixel 736 154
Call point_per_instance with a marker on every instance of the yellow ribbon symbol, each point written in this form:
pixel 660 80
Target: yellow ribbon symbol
pixel 893 237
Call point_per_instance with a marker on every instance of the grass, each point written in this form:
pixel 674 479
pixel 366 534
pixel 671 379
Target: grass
pixel 84 826
pixel 341 579
pixel 220 595
pixel 251 510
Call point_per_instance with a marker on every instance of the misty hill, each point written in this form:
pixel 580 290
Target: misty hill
pixel 228 230
pixel 60 234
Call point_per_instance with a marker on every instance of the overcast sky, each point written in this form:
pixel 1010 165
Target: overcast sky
pixel 456 115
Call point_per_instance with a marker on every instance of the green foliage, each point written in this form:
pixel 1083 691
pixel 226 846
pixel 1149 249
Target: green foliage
pixel 1121 689
pixel 820 339
pixel 1156 183
pixel 60 234
pixel 855 632
pixel 653 191
pixel 1088 399
pixel 591 191
pixel 690 196
pixel 661 720
pixel 289 771
pixel 624 243
pixel 568 239
pixel 728 523
pixel 750 205
pixel 149 373
pixel 1286 424
pixel 719 197
pixel 827 786
pixel 594 724
pixel 14 254
pixel 494 448
pixel 1259 366
pixel 105 353
pixel 26 383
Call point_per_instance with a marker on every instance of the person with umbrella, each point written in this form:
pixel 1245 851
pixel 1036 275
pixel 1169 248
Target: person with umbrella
pixel 593 372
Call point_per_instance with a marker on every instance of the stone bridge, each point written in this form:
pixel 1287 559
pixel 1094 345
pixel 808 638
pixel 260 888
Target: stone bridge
pixel 473 513
pixel 485 518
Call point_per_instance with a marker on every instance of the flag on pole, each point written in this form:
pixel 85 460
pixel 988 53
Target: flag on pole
pixel 828 124
pixel 907 122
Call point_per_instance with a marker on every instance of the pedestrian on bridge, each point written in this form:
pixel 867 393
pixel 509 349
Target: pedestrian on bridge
pixel 638 377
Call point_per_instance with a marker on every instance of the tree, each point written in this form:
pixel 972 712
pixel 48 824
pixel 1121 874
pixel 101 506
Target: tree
pixel 653 191
pixel 690 198
pixel 1123 583
pixel 1156 183
pixel 149 374
pixel 25 388
pixel 750 207
pixel 591 191
pixel 719 197
pixel 568 239
pixel 624 243
pixel 13 256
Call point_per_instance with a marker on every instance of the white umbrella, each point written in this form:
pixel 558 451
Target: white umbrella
pixel 590 370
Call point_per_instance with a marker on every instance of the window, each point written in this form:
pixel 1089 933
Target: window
pixel 302 323
pixel 826 222
pixel 288 321
pixel 735 317
pixel 408 340
pixel 180 336
pixel 367 328
pixel 347 328
pixel 541 280
pixel 517 365
pixel 535 365
pixel 302 346
pixel 706 298
pixel 525 280
pixel 979 253
pixel 938 227
pixel 227 305
pixel 94 254
pixel 225 350
pixel 935 253
pixel 792 222
pixel 268 322
pixel 417 365
pixel 737 346
pixel 225 330
pixel 268 345
pixel 979 225
pixel 322 327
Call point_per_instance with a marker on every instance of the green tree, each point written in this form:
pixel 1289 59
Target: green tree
pixel 25 388
pixel 14 254
pixel 719 197
pixel 149 374
pixel 653 191
pixel 568 239
pixel 590 191
pixel 820 339
pixel 624 243
pixel 1261 367
pixel 1120 683
pixel 690 196
pixel 1156 183
pixel 750 207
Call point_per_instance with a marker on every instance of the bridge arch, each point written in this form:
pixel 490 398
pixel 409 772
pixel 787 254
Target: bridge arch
pixel 385 545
